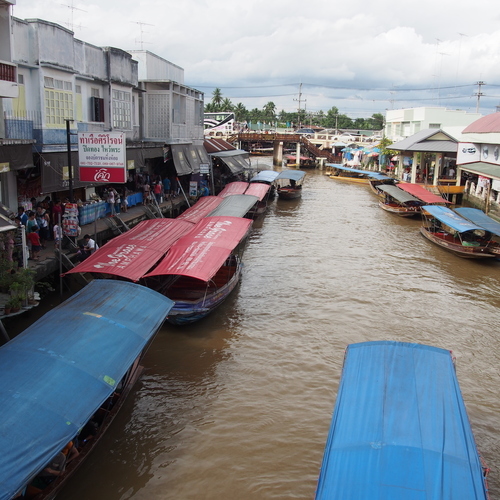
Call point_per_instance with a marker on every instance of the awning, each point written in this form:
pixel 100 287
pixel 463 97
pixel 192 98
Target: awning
pixel 400 428
pixel 55 173
pixel 235 205
pixel 181 161
pixel 233 188
pixel 132 254
pixel 61 369
pixel 265 176
pixel 200 209
pixel 450 218
pixel 236 160
pixel 397 194
pixel 478 217
pixel 202 252
pixel 139 155
pixel 17 156
pixel 481 168
pixel 258 189
pixel 213 145
pixel 421 193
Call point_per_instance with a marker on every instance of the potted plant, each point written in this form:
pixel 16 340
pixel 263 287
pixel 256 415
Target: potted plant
pixel 13 305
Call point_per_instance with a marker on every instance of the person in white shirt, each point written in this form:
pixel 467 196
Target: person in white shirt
pixel 90 245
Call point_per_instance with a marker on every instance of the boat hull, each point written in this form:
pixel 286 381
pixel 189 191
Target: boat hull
pixel 399 210
pixel 289 193
pixel 355 180
pixel 187 311
pixel 448 242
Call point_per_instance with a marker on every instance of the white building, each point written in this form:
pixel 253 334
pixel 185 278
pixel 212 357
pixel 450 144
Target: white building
pixel 67 86
pixel 403 123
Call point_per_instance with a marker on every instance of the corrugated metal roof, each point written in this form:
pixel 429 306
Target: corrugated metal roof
pixel 215 145
pixel 481 168
pixel 485 125
pixel 413 143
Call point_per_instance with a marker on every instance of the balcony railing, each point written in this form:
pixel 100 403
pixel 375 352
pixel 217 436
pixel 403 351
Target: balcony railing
pixel 8 72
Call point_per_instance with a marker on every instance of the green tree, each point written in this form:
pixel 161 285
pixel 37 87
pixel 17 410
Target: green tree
pixel 226 105
pixel 217 99
pixel 269 111
pixel 376 122
pixel 240 112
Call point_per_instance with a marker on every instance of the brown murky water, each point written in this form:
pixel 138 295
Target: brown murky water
pixel 238 406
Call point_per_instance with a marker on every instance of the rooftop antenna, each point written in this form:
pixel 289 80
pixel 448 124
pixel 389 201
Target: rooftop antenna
pixel 141 40
pixel 70 24
pixel 300 100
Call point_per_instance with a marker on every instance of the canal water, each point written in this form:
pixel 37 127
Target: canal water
pixel 238 406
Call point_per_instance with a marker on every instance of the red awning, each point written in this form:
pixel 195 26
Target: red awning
pixel 234 188
pixel 200 209
pixel 202 252
pixel 421 193
pixel 258 189
pixel 132 254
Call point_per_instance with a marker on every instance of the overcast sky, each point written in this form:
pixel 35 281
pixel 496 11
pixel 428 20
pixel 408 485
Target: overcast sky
pixel 361 56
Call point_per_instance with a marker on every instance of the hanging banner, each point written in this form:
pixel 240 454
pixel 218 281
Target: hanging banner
pixel 102 157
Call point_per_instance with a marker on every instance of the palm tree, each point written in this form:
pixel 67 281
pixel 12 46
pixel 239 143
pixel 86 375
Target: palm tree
pixel 226 105
pixel 217 98
pixel 240 112
pixel 270 110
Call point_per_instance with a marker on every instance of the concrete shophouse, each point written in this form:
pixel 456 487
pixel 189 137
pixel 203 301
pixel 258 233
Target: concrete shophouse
pixel 478 163
pixel 15 148
pixel 68 86
pixel 403 123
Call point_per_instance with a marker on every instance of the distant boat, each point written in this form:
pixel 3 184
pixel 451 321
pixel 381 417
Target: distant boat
pixel 400 428
pixel 289 184
pixel 202 268
pixel 65 378
pixel 399 202
pixel 452 232
pixel 357 176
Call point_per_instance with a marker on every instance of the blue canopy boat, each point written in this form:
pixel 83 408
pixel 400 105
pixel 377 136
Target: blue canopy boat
pixel 289 184
pixel 58 373
pixel 450 231
pixel 265 176
pixel 400 428
pixel 478 217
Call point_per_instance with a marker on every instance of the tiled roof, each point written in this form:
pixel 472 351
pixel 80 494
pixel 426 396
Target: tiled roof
pixel 485 125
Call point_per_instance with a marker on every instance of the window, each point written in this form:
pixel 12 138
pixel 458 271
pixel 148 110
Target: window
pixel 20 79
pixel 58 107
pixel 122 110
pixel 94 92
pixel 434 125
pixel 78 89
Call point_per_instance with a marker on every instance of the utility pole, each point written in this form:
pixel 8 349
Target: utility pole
pixel 300 100
pixel 478 94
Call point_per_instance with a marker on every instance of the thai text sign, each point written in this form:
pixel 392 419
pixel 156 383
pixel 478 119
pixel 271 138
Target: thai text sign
pixel 102 156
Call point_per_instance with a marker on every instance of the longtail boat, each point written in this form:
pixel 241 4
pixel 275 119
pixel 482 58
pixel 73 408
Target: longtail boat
pixel 202 268
pixel 64 379
pixel 400 428
pixel 450 231
pixel 289 184
pixel 399 202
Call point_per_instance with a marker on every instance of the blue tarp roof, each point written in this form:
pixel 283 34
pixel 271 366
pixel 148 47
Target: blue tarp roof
pixel 368 173
pixel 295 175
pixel 59 371
pixel 400 428
pixel 265 176
pixel 478 217
pixel 450 218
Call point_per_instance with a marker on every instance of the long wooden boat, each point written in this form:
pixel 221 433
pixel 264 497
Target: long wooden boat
pixel 423 194
pixel 375 184
pixel 65 378
pixel 202 268
pixel 357 176
pixel 235 205
pixel 289 184
pixel 262 192
pixel 478 217
pixel 452 232
pixel 400 428
pixel 399 202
